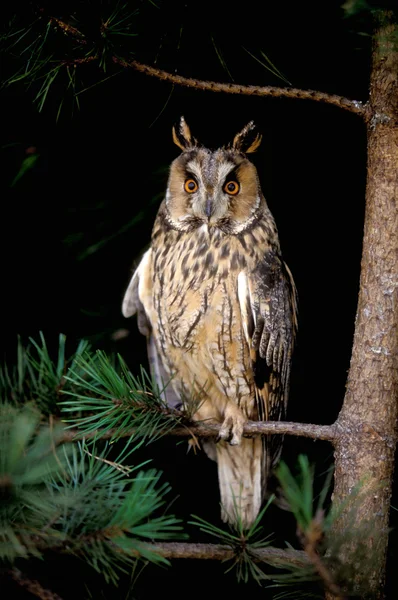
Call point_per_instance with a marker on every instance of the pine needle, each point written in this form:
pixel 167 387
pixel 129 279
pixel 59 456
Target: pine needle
pixel 268 64
pixel 113 399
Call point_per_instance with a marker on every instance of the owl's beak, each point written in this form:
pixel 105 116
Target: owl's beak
pixel 209 207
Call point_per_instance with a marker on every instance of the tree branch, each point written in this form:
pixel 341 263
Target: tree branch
pixel 353 106
pixel 33 586
pixel 275 556
pixel 252 428
pixel 202 430
pixel 184 550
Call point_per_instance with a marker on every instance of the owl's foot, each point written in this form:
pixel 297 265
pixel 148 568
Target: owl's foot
pixel 231 429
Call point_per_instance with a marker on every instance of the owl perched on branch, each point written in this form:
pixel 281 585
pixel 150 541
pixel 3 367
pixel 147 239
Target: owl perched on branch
pixel 218 306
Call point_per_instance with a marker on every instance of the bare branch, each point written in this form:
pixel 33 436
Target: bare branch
pixel 202 430
pixel 33 586
pixel 68 29
pixel 275 556
pixel 252 428
pixel 353 106
pixel 79 61
pixel 183 550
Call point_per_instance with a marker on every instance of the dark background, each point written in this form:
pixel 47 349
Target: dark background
pixel 75 225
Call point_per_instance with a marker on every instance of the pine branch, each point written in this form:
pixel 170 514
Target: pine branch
pixel 181 550
pixel 203 430
pixel 76 500
pixel 274 556
pixel 353 106
pixel 33 586
pixel 109 53
pixel 67 29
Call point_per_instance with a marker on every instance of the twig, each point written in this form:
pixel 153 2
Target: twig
pixel 207 430
pixel 70 62
pixel 68 29
pixel 353 106
pixel 122 468
pixel 310 540
pixel 33 586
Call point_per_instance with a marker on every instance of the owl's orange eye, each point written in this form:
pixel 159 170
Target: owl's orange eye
pixel 190 186
pixel 231 188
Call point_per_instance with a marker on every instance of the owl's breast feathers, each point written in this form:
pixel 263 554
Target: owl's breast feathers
pixel 222 311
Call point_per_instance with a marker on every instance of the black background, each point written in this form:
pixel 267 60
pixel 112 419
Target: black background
pixel 107 163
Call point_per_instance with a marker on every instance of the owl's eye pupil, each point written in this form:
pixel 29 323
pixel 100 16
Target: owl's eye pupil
pixel 232 187
pixel 190 186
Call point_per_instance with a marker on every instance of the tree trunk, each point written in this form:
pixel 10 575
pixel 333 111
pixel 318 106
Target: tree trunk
pixel 367 424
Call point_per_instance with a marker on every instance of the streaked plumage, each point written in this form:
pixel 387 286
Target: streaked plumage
pixel 218 306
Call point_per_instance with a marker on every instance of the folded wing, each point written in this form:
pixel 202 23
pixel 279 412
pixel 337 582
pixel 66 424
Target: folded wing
pixel 267 298
pixel 138 300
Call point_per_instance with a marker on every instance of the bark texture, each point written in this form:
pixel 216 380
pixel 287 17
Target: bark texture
pixel 367 425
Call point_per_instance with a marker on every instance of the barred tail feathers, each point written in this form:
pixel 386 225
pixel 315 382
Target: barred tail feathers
pixel 241 480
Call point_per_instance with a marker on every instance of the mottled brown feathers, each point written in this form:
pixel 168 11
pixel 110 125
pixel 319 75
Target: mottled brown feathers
pixel 218 306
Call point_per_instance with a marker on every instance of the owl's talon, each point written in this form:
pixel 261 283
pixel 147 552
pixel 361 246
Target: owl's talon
pixel 235 441
pixel 225 432
pixel 232 428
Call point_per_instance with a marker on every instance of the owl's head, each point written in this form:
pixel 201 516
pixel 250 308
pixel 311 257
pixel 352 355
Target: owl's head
pixel 218 188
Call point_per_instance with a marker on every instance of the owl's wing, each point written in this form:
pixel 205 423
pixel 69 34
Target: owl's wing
pixel 138 300
pixel 159 374
pixel 138 295
pixel 267 297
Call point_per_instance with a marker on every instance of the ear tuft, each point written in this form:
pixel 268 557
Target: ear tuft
pixel 182 136
pixel 247 140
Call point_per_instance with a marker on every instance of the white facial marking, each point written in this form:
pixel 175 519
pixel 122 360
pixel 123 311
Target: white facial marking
pixel 194 168
pixel 224 170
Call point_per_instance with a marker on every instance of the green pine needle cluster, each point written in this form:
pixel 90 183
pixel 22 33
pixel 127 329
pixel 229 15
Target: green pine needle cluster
pixel 47 47
pixel 243 541
pixel 112 511
pixel 92 391
pixel 299 492
pixel 107 397
pixel 323 545
pixel 80 498
pixel 29 459
pixel 75 499
pixel 313 522
pixel 53 51
pixel 36 376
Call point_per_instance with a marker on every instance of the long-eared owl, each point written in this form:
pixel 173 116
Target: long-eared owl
pixel 218 306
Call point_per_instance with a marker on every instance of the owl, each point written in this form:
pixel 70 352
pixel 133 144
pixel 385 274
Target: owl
pixel 218 307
